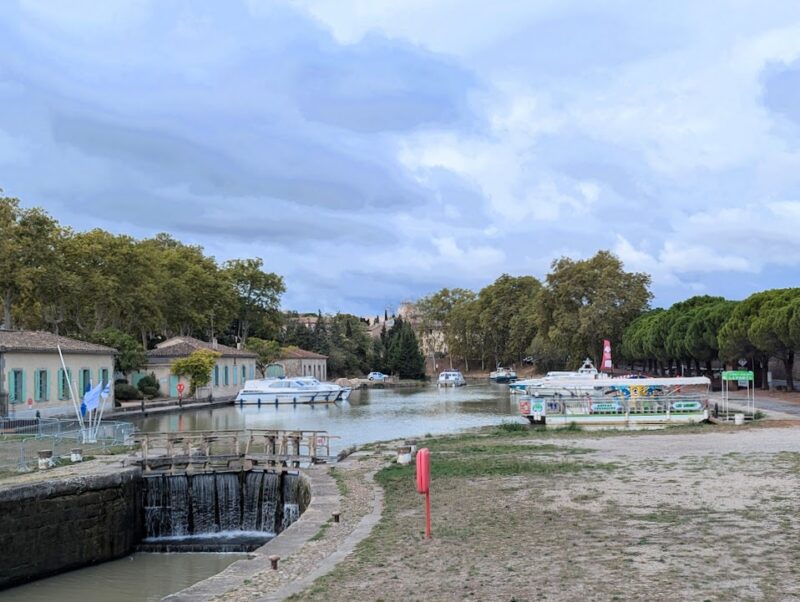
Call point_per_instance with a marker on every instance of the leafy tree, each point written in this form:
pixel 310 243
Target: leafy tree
pixel 500 303
pixel 130 354
pixel 268 352
pixel 258 293
pixel 197 367
pixel 584 302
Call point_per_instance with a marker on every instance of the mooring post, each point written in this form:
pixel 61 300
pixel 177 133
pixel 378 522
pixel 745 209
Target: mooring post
pixel 274 561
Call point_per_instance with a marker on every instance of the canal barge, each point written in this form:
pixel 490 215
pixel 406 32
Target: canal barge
pixel 620 402
pixel 303 389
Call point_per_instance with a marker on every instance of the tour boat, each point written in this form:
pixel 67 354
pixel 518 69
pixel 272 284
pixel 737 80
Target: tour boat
pixel 621 402
pixel 302 389
pixel 451 378
pixel 502 375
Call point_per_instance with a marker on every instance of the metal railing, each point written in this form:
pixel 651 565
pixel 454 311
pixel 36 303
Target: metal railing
pixel 250 445
pixel 22 439
pixel 582 405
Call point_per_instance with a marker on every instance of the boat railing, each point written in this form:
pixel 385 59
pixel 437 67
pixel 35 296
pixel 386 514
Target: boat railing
pixel 614 404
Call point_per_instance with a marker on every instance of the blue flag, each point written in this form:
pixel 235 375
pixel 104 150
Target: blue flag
pixel 92 398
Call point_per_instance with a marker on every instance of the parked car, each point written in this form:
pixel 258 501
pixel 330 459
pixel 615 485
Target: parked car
pixel 379 376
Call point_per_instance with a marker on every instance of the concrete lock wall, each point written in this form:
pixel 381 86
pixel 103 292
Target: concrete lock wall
pixel 54 526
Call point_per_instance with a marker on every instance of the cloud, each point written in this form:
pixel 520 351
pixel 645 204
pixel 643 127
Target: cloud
pixel 373 151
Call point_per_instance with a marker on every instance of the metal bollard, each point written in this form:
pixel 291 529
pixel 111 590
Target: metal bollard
pixel 274 561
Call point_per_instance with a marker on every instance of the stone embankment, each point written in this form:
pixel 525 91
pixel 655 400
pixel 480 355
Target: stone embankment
pixel 56 525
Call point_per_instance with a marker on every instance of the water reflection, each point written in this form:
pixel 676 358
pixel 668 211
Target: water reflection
pixel 370 415
pixel 136 578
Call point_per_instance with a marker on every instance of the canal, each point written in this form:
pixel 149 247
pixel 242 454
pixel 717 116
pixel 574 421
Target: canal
pixel 369 415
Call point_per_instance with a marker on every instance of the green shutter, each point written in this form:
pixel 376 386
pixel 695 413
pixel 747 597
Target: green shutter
pixel 70 384
pixel 60 383
pixel 11 387
pixel 46 392
pixel 37 394
pixel 23 389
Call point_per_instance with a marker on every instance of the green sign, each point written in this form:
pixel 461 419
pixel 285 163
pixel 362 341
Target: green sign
pixel 737 375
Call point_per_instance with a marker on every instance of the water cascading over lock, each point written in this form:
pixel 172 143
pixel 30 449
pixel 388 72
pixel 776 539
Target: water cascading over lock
pixel 221 511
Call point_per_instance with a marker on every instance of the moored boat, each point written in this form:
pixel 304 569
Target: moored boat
pixel 451 378
pixel 550 383
pixel 502 375
pixel 303 389
pixel 626 402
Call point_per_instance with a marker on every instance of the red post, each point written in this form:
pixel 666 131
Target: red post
pixel 424 484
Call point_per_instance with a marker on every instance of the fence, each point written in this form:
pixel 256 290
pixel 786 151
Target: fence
pixel 21 439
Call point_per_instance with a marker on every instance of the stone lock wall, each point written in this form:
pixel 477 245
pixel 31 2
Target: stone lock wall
pixel 55 526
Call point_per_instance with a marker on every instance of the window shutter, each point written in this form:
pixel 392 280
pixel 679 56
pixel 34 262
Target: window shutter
pixel 23 390
pixel 37 394
pixel 46 392
pixel 12 381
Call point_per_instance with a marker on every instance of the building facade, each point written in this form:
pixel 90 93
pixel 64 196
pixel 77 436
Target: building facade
pixel 232 368
pixel 299 362
pixel 33 379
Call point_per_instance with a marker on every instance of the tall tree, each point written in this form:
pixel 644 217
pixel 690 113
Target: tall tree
pixel 258 293
pixel 584 302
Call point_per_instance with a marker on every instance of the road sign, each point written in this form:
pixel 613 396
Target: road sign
pixel 737 375
pixel 180 388
pixel 742 363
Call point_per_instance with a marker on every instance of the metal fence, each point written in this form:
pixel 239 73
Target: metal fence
pixel 21 440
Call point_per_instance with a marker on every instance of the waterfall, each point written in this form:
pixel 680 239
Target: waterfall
pixel 228 502
pixel 204 511
pixel 252 501
pixel 291 505
pixel 269 503
pixel 200 506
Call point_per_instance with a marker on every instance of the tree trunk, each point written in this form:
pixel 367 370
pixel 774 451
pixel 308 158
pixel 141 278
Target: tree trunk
pixel 788 365
pixel 8 300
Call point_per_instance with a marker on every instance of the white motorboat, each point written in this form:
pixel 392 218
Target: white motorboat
pixel 552 381
pixel 302 389
pixel 451 378
pixel 502 375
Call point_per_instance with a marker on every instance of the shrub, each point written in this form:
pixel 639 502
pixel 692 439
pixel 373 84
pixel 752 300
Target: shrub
pixel 126 392
pixel 148 385
pixel 121 381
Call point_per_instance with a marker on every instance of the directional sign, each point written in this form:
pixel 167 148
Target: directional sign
pixel 737 375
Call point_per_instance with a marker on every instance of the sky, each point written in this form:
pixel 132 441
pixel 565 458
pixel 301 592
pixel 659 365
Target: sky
pixel 373 152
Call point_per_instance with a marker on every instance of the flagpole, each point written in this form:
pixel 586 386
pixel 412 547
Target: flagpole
pixel 102 407
pixel 71 393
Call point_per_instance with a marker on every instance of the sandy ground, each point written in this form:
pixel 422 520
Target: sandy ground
pixel 710 515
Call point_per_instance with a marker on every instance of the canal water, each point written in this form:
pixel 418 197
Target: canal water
pixel 369 415
pixel 136 578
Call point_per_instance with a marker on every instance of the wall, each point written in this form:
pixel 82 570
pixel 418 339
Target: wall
pixel 318 368
pixel 59 525
pixel 49 402
pixel 162 367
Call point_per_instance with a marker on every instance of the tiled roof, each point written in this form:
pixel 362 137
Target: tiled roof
pixel 183 346
pixel 31 341
pixel 300 354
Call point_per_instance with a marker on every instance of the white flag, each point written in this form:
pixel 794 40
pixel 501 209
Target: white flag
pixel 92 398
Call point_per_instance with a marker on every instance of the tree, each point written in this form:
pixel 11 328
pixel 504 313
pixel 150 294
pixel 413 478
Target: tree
pixel 435 313
pixel 258 293
pixel 584 302
pixel 197 367
pixel 404 357
pixel 27 248
pixel 130 354
pixel 267 351
pixel 500 303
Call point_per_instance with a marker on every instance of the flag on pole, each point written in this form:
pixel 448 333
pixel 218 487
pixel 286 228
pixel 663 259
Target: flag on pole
pixel 92 398
pixel 106 391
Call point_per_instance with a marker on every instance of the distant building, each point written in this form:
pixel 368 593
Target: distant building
pixel 299 362
pixel 233 367
pixel 32 377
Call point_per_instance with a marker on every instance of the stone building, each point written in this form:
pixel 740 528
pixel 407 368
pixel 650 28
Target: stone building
pixel 32 377
pixel 233 367
pixel 299 362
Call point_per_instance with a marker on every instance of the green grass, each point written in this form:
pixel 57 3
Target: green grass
pixel 322 530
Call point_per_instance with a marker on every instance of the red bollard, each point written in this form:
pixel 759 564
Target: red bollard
pixel 424 484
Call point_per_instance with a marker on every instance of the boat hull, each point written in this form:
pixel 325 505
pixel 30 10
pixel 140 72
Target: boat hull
pixel 267 398
pixel 621 420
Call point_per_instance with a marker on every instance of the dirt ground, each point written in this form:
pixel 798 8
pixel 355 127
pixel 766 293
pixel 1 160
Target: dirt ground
pixel 703 513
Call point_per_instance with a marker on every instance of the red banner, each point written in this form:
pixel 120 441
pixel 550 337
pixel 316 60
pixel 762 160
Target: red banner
pixel 606 364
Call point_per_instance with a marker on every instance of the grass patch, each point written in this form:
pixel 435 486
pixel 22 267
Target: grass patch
pixel 322 530
pixel 341 482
